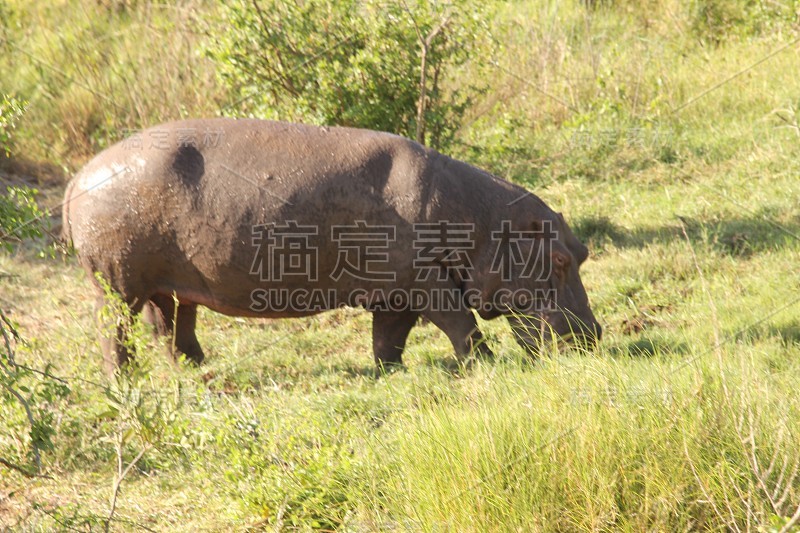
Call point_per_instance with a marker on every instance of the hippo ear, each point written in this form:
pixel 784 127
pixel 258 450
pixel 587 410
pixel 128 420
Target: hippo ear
pixel 545 229
pixel 576 247
pixel 581 252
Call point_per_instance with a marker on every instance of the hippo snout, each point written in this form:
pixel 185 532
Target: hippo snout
pixel 586 334
pixel 534 332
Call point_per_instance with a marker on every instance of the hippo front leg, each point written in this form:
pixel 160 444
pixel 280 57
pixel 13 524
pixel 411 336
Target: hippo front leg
pixel 389 333
pixel 462 330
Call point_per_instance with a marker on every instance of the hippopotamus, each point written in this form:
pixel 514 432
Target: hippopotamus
pixel 270 219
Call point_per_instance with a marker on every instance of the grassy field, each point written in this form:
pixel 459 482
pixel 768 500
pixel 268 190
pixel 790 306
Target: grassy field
pixel 665 132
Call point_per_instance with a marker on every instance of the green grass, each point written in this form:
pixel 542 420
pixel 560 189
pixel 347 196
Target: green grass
pixel 685 418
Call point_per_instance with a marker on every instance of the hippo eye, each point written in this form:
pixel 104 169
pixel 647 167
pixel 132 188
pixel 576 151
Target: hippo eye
pixel 560 260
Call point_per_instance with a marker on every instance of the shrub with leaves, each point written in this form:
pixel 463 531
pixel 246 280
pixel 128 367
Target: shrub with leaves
pixel 29 401
pixel 20 215
pixel 26 397
pixel 142 412
pixel 716 21
pixel 11 110
pixel 298 475
pixel 361 63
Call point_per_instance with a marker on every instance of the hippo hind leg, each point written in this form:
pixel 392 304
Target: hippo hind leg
pixel 178 327
pixel 390 330
pixel 114 331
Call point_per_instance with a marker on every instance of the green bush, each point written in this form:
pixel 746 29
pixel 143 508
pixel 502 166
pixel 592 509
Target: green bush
pixel 29 402
pixel 718 20
pixel 357 63
pixel 10 110
pixel 19 213
pixel 87 79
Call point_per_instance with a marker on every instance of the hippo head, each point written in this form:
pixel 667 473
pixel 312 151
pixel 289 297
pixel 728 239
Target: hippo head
pixel 538 287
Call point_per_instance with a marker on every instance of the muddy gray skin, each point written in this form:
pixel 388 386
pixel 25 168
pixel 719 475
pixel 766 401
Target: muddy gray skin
pixel 170 215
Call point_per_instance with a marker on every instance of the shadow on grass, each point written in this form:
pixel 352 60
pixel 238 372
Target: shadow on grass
pixel 451 366
pixel 787 332
pixel 273 376
pixel 648 347
pixel 347 369
pixel 18 170
pixel 447 364
pixel 741 236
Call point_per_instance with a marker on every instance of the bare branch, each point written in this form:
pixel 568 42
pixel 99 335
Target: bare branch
pixel 425 45
pixel 22 470
pixel 6 323
pixel 120 476
pixel 5 327
pixel 793 521
pixel 36 456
